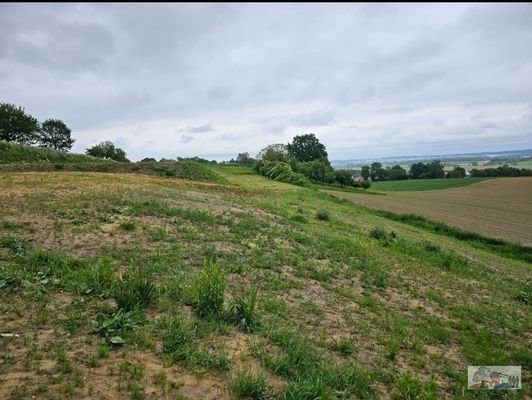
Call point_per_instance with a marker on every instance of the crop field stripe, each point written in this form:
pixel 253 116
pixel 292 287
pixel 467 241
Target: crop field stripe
pixel 424 184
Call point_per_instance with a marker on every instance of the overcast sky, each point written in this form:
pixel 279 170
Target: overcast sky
pixel 168 80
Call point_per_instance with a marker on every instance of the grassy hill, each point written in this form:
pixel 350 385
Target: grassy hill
pixel 136 287
pixel 18 158
pixel 16 153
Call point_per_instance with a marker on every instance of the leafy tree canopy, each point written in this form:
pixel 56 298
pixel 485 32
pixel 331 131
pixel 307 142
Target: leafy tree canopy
pixel 16 125
pixel 55 134
pixel 108 151
pixel 307 148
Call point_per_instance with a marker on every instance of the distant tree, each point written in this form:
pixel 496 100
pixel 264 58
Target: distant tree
pixel 55 134
pixel 148 159
pixel 319 170
pixel 307 148
pixel 396 173
pixel 274 152
pixel 244 158
pixel 108 151
pixel 343 177
pixel 16 125
pixel 365 185
pixel 436 170
pixel 365 173
pixel 418 170
pixel 457 172
pixel 377 173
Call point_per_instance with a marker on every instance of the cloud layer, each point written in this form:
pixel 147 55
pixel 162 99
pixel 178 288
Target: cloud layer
pixel 168 80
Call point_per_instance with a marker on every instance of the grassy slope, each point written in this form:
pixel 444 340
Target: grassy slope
pixel 344 315
pixel 18 158
pixel 423 184
pixel 16 153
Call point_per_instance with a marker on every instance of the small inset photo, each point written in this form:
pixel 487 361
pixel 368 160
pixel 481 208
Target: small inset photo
pixel 494 377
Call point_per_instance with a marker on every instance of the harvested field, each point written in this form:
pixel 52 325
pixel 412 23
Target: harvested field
pixel 500 208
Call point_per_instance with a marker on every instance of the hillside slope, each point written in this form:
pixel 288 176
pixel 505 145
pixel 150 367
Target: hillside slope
pixel 350 305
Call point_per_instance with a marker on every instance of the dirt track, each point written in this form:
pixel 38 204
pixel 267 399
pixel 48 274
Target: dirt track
pixel 500 208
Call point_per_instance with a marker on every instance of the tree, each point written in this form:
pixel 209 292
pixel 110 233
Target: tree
pixel 457 172
pixel 365 185
pixel 244 158
pixel 318 170
pixel 436 170
pixel 274 152
pixel 148 159
pixel 396 173
pixel 343 177
pixel 16 125
pixel 365 173
pixel 307 148
pixel 55 134
pixel 377 173
pixel 418 170
pixel 108 151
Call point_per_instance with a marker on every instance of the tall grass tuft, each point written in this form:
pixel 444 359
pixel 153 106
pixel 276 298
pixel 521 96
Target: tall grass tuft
pixel 210 288
pixel 244 312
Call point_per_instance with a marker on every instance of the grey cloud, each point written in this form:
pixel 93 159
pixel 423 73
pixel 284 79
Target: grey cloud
pixel 186 139
pixel 314 118
pixel 199 128
pixel 273 71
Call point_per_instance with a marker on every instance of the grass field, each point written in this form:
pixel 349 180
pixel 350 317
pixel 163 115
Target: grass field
pixel 500 208
pixel 126 286
pixel 423 184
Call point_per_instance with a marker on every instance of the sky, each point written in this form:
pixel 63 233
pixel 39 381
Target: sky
pixel 215 80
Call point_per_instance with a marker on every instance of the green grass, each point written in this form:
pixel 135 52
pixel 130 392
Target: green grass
pixel 347 306
pixel 423 184
pixel 17 153
pixel 22 158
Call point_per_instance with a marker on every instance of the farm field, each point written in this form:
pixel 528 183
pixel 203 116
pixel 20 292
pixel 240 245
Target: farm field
pixel 423 184
pixel 110 287
pixel 500 208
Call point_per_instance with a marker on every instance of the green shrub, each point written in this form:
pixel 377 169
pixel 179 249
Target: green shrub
pixel 322 215
pixel 244 313
pixel 378 233
pixel 281 171
pixel 246 385
pixel 210 288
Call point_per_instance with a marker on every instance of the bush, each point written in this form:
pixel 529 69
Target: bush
pixel 244 313
pixel 127 225
pixel 210 288
pixel 378 233
pixel 281 171
pixel 322 215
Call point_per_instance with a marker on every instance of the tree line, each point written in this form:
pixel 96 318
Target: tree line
pixel 420 170
pixel 19 127
pixel 505 170
pixel 302 160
